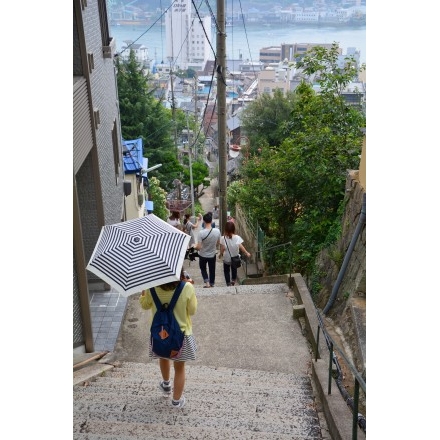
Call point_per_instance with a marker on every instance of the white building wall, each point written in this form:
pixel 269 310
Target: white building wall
pixel 306 16
pixel 134 209
pixel 140 52
pixel 177 22
pixel 186 41
pixel 208 43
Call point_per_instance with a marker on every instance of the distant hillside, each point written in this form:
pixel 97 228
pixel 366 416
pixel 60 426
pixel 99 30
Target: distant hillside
pixel 151 5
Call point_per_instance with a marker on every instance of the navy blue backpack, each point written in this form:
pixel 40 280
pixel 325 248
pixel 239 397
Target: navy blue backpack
pixel 166 336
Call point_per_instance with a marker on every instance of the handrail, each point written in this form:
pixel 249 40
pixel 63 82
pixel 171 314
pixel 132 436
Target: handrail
pixel 258 254
pixel 353 403
pixel 290 262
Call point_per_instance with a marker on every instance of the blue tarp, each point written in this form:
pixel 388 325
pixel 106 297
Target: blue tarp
pixel 132 156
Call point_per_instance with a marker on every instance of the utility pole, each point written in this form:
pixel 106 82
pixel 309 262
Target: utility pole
pixel 221 111
pixel 173 106
pixel 193 208
pixel 195 110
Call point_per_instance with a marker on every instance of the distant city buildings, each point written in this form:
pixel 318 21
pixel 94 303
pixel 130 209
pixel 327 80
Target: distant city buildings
pixel 187 45
pixel 140 51
pixel 290 52
pixel 128 12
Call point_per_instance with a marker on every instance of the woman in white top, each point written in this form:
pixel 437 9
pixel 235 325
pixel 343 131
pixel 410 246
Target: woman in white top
pixel 189 226
pixel 230 246
pixel 174 219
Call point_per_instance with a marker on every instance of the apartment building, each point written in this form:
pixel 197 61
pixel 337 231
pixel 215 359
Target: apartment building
pixel 187 44
pixel 98 175
pixel 271 54
pixel 275 76
pixel 290 51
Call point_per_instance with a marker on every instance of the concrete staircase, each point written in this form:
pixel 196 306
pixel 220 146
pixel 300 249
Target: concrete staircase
pixel 255 376
pixel 222 403
pixel 252 378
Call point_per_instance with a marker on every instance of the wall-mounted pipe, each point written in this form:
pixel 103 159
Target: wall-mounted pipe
pixel 357 232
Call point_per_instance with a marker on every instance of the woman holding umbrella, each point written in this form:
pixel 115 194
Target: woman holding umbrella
pixel 185 307
pixel 133 244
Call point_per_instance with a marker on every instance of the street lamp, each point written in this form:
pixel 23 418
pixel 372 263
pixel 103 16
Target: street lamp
pixel 191 179
pixel 193 210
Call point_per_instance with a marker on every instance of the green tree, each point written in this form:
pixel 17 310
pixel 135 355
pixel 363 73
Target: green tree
pixel 200 172
pixel 158 196
pixel 322 66
pixel 144 116
pixel 264 119
pixel 294 185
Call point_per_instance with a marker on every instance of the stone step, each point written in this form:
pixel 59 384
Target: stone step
pixel 243 289
pixel 126 403
pixel 208 410
pixel 138 384
pixel 134 431
pixel 241 395
pixel 210 374
pixel 182 426
pixel 252 270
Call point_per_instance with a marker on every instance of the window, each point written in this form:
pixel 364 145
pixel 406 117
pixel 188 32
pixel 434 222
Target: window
pixel 103 18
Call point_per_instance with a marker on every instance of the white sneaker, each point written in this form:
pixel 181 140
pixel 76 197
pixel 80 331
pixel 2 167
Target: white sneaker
pixel 165 388
pixel 179 403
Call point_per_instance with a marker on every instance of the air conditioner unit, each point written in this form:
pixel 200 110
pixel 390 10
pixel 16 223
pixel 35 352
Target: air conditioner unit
pixel 127 188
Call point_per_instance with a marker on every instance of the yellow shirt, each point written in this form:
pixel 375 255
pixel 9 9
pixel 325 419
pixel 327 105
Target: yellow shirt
pixel 185 307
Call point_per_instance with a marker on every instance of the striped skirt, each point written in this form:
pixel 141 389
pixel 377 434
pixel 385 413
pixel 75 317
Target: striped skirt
pixel 188 352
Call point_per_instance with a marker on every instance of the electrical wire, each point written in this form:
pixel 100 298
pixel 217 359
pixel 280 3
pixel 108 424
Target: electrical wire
pixel 187 34
pixel 212 15
pixel 215 66
pixel 161 29
pixel 203 27
pixel 143 33
pixel 247 41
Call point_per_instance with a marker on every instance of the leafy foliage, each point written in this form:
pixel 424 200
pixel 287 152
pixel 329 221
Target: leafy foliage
pixel 200 172
pixel 158 196
pixel 294 180
pixel 264 119
pixel 321 65
pixel 144 116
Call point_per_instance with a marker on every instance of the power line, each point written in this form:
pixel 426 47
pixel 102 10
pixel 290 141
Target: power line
pixel 141 35
pixel 203 27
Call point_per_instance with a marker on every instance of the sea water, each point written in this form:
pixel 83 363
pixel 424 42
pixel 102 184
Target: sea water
pixel 245 41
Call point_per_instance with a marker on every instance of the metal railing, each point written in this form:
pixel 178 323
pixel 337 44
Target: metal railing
pixel 280 268
pixel 265 255
pixel 352 402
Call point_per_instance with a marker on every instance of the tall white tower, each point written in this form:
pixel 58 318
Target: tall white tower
pixel 186 42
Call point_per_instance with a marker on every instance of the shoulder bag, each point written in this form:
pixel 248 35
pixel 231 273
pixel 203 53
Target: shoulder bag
pixel 235 261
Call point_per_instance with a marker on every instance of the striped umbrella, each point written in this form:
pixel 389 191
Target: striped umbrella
pixel 138 254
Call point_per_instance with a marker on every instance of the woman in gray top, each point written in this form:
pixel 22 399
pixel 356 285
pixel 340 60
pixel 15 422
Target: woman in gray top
pixel 209 241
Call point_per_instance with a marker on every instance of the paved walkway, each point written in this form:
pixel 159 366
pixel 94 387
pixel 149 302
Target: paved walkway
pixel 107 310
